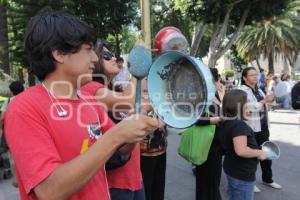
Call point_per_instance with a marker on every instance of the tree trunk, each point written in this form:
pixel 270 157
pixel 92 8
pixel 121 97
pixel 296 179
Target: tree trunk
pixel 271 62
pixel 258 64
pixel 199 33
pixel 212 62
pixel 20 74
pixel 293 59
pixel 4 56
pixel 286 68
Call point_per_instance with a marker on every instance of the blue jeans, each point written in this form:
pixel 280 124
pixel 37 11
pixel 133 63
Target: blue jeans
pixel 287 101
pixel 240 190
pixel 125 194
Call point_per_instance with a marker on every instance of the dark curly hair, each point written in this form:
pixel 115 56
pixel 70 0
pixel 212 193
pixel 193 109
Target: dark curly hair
pixel 245 73
pixel 53 30
pixel 99 66
pixel 16 87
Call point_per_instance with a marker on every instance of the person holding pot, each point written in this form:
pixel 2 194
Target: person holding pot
pixel 258 119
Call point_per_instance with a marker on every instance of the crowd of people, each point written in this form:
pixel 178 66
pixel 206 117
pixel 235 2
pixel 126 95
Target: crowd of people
pixel 63 131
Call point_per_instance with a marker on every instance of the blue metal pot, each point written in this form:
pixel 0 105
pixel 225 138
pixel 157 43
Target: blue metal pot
pixel 180 88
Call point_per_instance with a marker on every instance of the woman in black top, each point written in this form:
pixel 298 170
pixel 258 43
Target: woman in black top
pixel 240 147
pixel 208 175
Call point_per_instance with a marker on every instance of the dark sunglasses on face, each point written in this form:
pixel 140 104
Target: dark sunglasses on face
pixel 107 55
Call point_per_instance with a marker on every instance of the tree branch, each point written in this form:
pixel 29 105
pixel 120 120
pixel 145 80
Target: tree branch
pixel 223 29
pixel 215 33
pixel 197 39
pixel 235 35
pixel 237 2
pixel 257 62
pixel 221 33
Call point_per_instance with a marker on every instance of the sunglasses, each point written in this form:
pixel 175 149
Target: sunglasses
pixel 107 55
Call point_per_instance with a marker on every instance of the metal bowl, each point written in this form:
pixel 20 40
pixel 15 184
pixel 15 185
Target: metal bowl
pixel 180 88
pixel 272 150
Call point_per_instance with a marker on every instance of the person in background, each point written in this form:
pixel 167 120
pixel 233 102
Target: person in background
pixel 125 182
pixel 219 85
pixel 208 174
pixel 262 80
pixel 122 79
pixel 258 119
pixel 102 85
pixel 296 96
pixel 16 87
pixel 241 150
pixel 153 163
pixel 269 83
pixel 286 78
pixel 154 159
pixel 228 83
pixel 59 136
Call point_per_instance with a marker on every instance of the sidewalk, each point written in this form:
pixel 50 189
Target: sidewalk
pixel 180 182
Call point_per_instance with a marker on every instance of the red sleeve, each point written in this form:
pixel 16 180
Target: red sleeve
pixel 31 145
pixel 106 122
pixel 92 87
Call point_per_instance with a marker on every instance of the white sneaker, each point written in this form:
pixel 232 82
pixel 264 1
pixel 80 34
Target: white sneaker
pixel 256 189
pixel 273 185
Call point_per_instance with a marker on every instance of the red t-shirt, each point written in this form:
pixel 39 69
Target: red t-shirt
pixel 92 87
pixel 128 176
pixel 41 141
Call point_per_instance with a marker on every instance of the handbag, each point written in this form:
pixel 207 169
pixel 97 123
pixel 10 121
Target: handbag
pixel 195 143
pixel 117 160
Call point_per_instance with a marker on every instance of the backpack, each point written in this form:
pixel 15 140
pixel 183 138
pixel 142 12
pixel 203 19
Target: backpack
pixel 296 96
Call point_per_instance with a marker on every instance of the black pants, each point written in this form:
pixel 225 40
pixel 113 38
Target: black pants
pixel 208 175
pixel 154 172
pixel 265 165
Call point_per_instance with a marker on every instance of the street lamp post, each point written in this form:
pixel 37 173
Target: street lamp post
pixel 146 29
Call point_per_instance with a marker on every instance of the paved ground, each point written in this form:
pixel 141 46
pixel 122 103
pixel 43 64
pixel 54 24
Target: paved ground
pixel 180 183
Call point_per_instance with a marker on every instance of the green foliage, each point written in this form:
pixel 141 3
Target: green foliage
pixel 19 13
pixel 277 35
pixel 127 38
pixel 4 57
pixel 212 11
pixel 204 45
pixel 229 73
pixel 107 17
pixel 166 13
pixel 235 59
pixel 112 20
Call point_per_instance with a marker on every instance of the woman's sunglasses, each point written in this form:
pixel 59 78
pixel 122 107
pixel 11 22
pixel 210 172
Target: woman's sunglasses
pixel 107 55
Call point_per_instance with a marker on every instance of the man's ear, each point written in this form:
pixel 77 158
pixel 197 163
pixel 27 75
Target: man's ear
pixel 58 56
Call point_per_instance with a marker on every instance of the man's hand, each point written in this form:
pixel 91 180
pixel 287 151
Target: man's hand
pixel 133 128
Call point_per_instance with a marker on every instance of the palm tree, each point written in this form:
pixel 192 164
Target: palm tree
pixel 278 35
